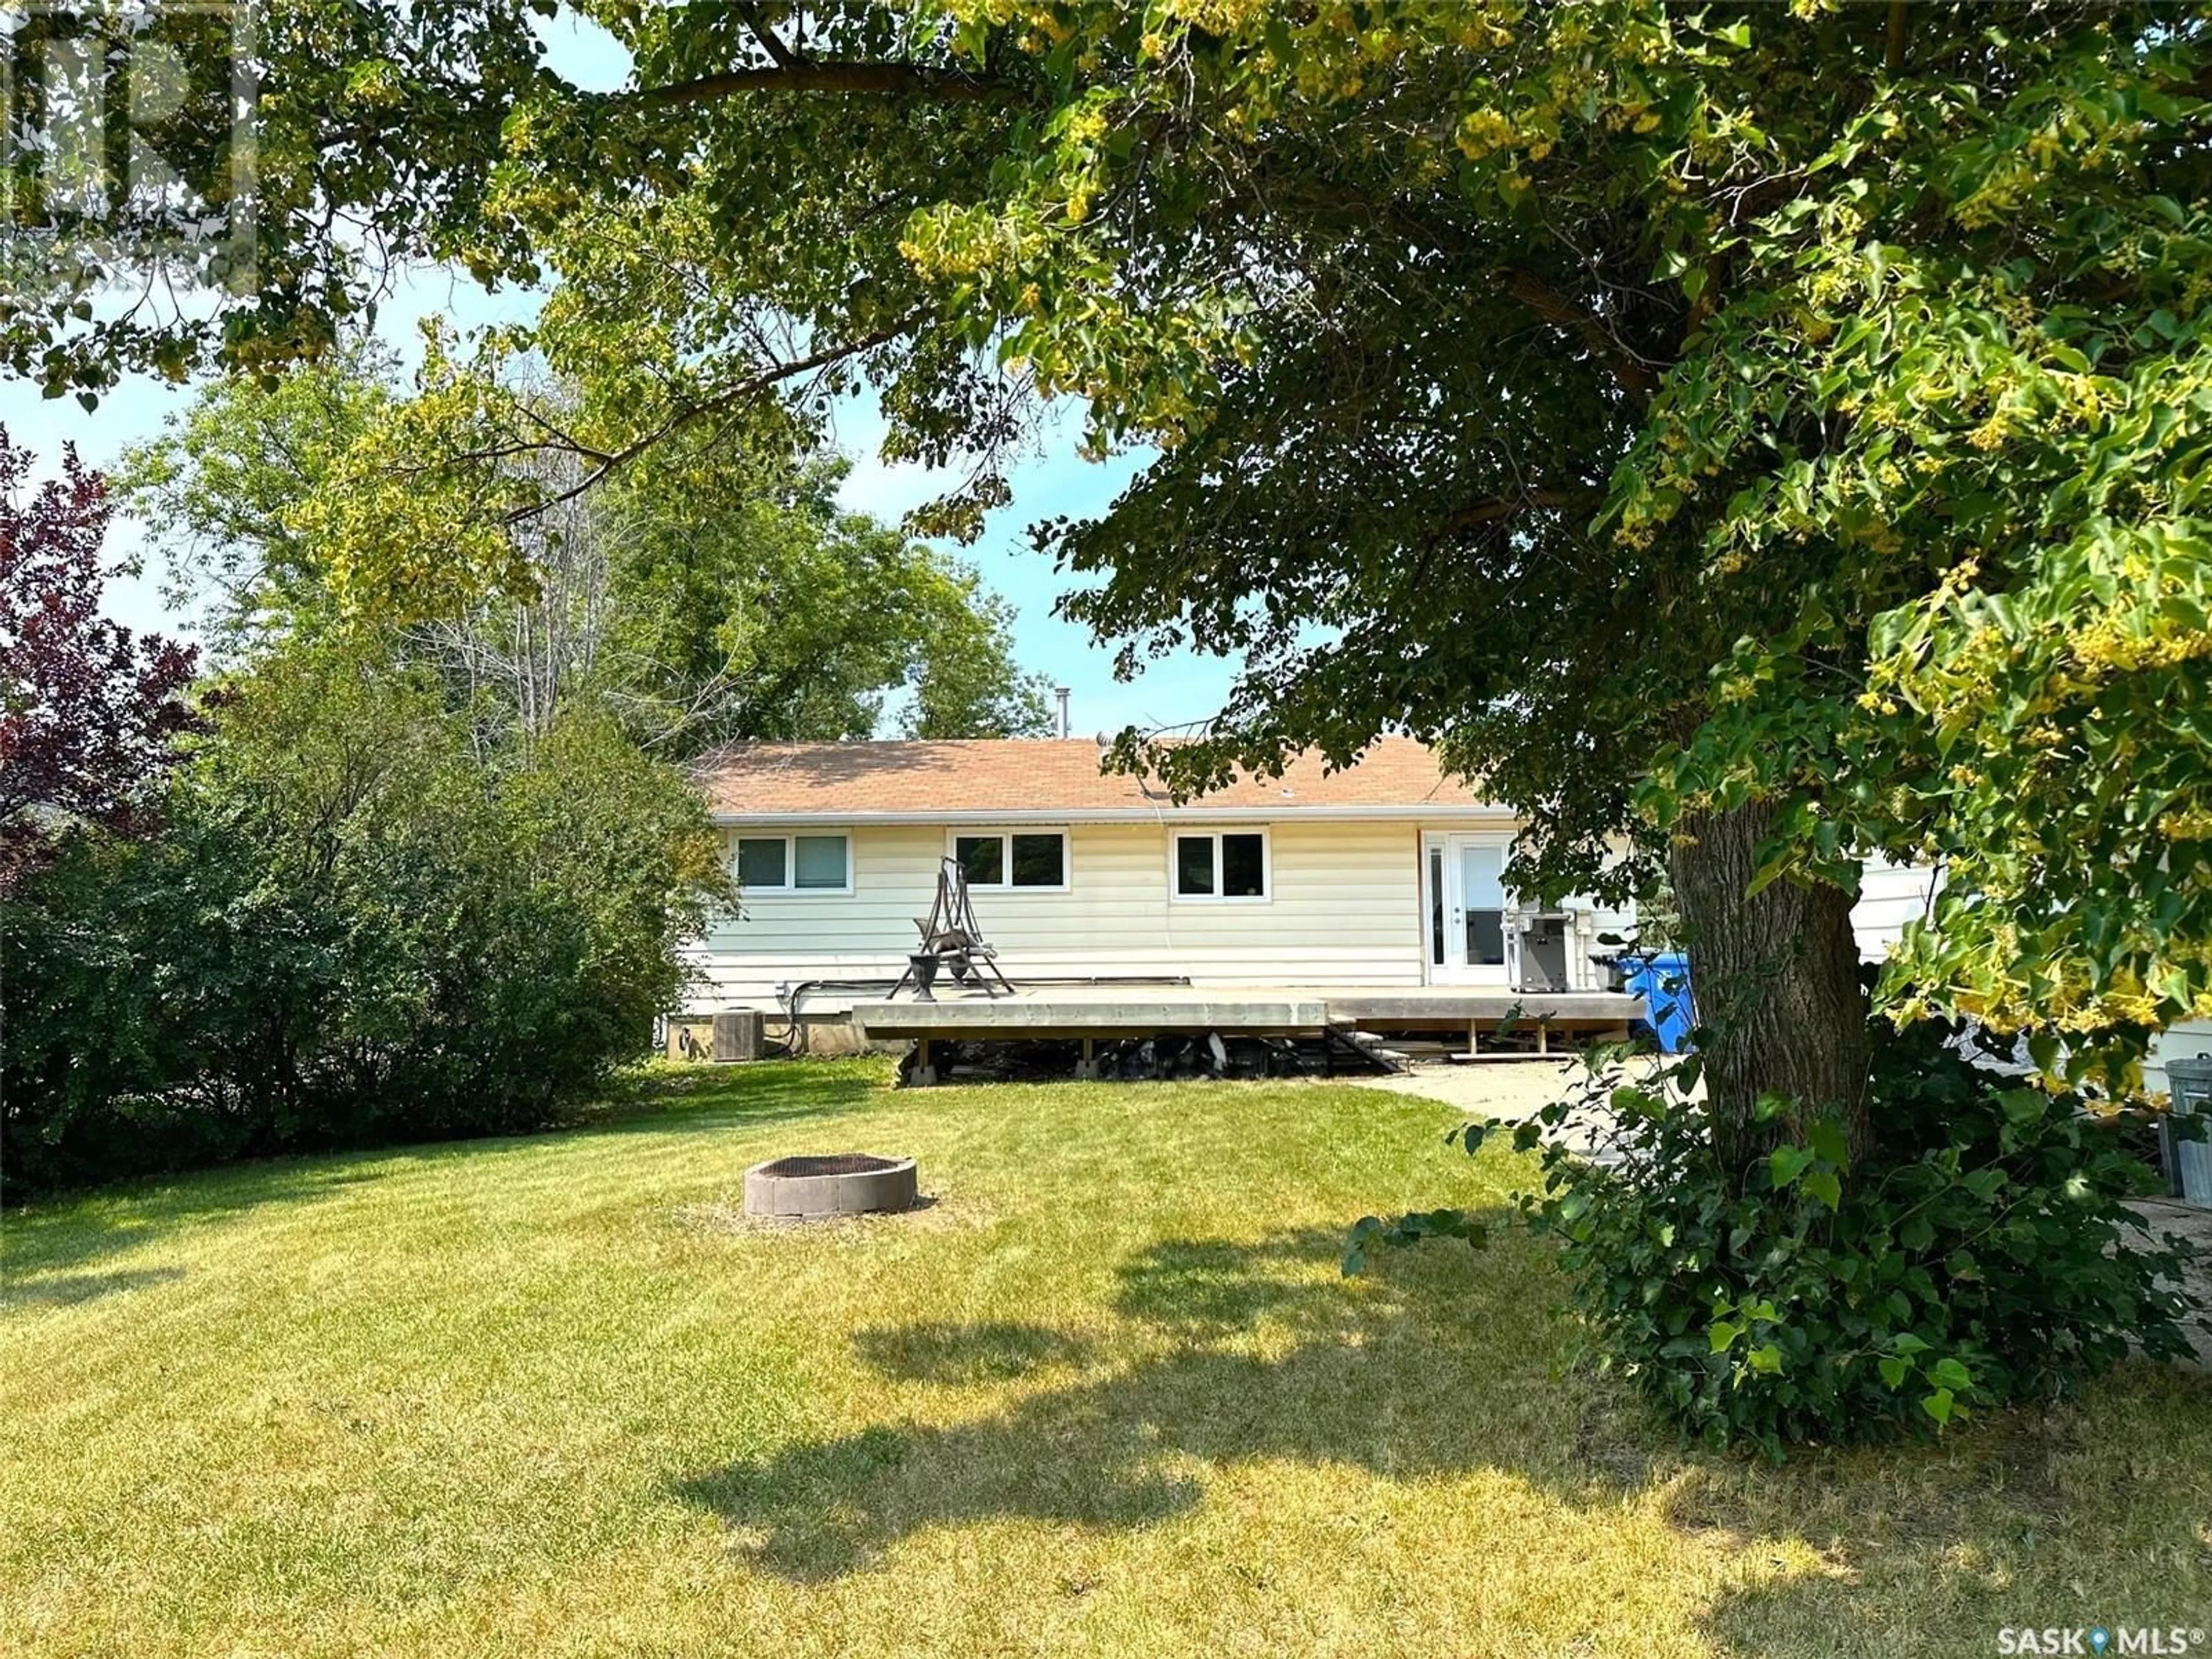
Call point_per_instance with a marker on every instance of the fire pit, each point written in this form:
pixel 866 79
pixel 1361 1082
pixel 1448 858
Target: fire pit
pixel 841 1184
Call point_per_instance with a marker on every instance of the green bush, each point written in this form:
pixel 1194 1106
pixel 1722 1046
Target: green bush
pixel 1979 1257
pixel 355 928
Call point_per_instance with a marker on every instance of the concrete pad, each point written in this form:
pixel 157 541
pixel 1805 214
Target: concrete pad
pixel 2168 1220
pixel 1508 1094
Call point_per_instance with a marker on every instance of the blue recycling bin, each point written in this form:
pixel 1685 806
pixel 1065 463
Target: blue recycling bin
pixel 1663 982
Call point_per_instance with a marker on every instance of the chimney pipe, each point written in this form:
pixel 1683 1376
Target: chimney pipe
pixel 1060 691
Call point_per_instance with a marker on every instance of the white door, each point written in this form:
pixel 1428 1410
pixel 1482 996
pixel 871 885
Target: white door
pixel 1464 883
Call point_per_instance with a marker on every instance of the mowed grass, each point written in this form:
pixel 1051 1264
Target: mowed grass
pixel 1108 1395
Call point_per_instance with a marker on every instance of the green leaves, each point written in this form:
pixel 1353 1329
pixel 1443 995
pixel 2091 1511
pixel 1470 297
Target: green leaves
pixel 368 921
pixel 1966 1259
pixel 1815 1167
pixel 1370 1232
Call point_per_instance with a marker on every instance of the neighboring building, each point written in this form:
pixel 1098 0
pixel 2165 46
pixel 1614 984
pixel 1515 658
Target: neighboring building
pixel 1892 895
pixel 1386 874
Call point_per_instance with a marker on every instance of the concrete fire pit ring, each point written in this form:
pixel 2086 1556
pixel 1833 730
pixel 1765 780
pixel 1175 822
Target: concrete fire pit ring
pixel 815 1188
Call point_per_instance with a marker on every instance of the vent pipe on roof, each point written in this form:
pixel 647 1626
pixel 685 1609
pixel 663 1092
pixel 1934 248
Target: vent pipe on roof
pixel 1060 691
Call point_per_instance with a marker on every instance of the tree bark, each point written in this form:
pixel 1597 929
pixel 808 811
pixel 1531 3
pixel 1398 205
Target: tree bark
pixel 1776 979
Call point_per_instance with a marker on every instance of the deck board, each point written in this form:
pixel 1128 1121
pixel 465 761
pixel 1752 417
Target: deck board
pixel 1089 1012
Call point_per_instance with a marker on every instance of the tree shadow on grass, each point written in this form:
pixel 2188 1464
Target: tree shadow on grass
pixel 66 1290
pixel 1227 1352
pixel 1215 1352
pixel 961 1354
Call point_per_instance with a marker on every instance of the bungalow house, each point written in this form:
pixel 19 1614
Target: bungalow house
pixel 1377 891
pixel 1384 877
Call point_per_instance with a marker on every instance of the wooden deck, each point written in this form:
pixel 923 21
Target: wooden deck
pixel 1100 1012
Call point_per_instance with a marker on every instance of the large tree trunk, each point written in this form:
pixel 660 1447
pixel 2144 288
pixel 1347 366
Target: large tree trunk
pixel 1776 978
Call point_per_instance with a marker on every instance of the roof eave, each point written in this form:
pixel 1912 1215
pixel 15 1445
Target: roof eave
pixel 1197 813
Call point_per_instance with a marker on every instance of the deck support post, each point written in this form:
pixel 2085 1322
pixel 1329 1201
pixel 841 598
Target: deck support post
pixel 1474 1039
pixel 924 1074
pixel 1086 1070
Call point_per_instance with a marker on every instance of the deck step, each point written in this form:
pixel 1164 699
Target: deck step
pixel 1373 1046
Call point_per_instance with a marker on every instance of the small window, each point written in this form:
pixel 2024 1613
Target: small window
pixel 1195 867
pixel 1031 858
pixel 818 861
pixel 794 864
pixel 982 859
pixel 1040 860
pixel 1244 866
pixel 760 861
pixel 1221 864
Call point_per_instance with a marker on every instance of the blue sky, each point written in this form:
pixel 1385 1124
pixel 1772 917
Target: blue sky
pixel 1056 480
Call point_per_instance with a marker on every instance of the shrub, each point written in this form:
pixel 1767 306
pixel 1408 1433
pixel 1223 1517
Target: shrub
pixel 353 929
pixel 1979 1257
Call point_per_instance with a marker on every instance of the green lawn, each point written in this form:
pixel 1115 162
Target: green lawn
pixel 1108 1395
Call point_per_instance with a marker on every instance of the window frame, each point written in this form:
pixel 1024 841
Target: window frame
pixel 955 834
pixel 791 838
pixel 1178 833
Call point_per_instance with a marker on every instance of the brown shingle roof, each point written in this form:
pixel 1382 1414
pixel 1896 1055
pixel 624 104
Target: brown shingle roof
pixel 923 779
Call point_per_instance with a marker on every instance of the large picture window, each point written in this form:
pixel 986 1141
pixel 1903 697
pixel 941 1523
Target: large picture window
pixel 1220 865
pixel 794 864
pixel 1032 859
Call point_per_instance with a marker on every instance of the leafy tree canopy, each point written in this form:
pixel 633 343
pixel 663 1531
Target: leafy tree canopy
pixel 90 718
pixel 704 594
pixel 1776 433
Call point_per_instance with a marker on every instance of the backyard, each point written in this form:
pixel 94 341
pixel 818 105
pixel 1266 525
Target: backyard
pixel 1108 1393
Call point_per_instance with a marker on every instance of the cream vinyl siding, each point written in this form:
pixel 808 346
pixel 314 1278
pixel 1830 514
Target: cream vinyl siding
pixel 1890 895
pixel 1344 909
pixel 2185 1041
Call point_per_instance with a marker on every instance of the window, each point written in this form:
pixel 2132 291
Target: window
pixel 762 861
pixel 1435 906
pixel 818 862
pixel 794 864
pixel 1482 896
pixel 1023 858
pixel 1225 863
